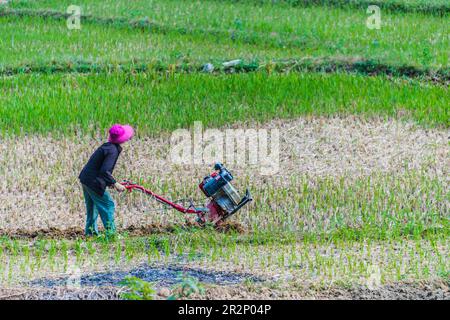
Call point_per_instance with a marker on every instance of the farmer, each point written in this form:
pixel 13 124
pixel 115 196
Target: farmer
pixel 97 175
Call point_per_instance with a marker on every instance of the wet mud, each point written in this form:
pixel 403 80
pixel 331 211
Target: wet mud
pixel 160 276
pixel 134 231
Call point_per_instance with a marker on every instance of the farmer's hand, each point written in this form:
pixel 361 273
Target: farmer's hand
pixel 119 187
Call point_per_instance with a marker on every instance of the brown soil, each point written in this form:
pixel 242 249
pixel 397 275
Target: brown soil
pixel 52 233
pixel 231 226
pixel 136 231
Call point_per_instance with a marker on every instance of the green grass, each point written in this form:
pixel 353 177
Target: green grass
pixel 222 27
pixel 155 103
pixel 37 41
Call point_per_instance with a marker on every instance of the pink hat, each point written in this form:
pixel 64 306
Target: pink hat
pixel 120 133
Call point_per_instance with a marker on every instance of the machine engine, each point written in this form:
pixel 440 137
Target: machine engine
pixel 225 199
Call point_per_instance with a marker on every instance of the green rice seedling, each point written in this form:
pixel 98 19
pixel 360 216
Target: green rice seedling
pixel 79 250
pixel 118 252
pixel 310 94
pixel 91 251
pixel 166 248
pixel 64 250
pixel 186 287
pixel 138 289
pixel 51 253
pixel 13 248
pixel 129 249
pixel 153 249
pixel 39 251
pixel 25 253
pixel 103 250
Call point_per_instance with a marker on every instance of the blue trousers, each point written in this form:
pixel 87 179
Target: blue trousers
pixel 95 205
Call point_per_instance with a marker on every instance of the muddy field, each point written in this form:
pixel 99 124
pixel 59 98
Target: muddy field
pixel 40 187
pixel 132 231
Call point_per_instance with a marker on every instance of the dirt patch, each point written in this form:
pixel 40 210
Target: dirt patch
pixel 134 231
pixel 231 227
pixel 225 227
pixel 51 233
pixel 161 276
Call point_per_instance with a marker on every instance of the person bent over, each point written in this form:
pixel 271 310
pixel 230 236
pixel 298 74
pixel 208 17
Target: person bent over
pixel 96 176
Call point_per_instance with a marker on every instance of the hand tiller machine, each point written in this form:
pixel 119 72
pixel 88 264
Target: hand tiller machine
pixel 224 199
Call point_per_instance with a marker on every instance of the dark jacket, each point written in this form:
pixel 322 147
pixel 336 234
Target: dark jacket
pixel 97 173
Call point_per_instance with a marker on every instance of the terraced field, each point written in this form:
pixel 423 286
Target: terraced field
pixel 358 208
pixel 217 31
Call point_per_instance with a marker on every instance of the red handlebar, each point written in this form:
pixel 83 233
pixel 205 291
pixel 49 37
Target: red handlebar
pixel 131 186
